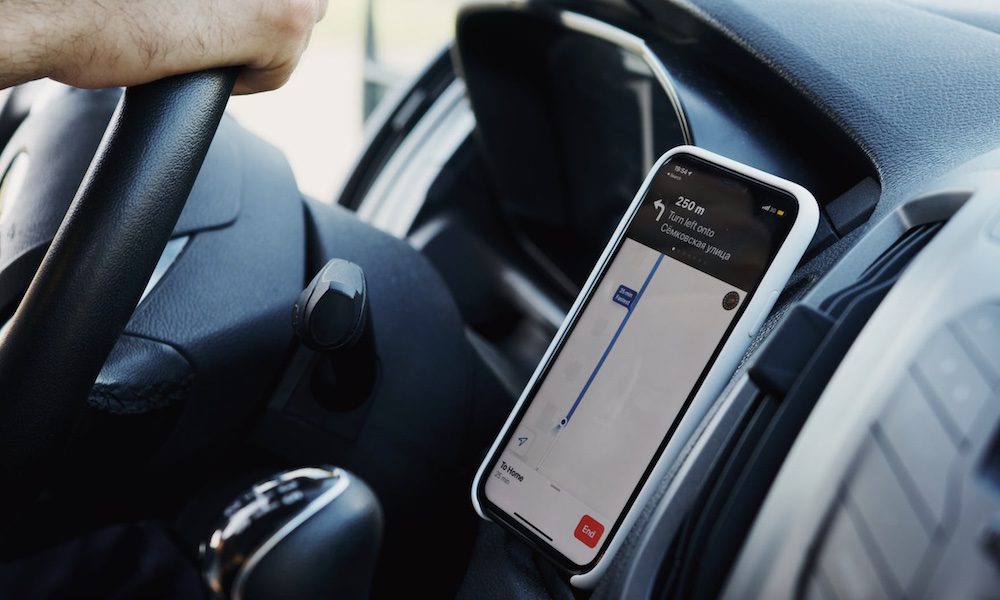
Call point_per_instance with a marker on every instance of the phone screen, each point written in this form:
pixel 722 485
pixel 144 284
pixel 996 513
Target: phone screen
pixel 606 403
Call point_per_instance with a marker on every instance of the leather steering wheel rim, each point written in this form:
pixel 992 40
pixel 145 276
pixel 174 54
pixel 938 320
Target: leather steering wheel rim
pixel 95 270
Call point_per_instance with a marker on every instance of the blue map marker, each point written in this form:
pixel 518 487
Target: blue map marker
pixel 624 296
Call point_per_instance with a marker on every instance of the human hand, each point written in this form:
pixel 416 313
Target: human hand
pixel 105 43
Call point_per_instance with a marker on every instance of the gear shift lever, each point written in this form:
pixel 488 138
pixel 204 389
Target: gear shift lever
pixel 308 533
pixel 332 316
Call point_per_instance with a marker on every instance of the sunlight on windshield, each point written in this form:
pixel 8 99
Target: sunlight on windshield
pixel 316 119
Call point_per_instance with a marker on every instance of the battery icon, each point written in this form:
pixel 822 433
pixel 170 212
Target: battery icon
pixel 781 212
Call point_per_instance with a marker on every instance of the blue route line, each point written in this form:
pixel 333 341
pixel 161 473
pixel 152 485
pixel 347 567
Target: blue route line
pixel 565 420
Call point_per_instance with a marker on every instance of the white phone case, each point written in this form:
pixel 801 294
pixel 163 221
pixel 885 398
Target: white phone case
pixel 760 305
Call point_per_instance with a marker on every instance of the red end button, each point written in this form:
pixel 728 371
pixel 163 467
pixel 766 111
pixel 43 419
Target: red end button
pixel 589 531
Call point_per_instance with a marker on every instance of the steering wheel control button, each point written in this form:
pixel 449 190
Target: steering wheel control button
pixel 589 531
pixel 332 317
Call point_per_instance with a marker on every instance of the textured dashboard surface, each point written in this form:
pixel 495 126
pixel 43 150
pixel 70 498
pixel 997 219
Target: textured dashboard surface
pixel 914 84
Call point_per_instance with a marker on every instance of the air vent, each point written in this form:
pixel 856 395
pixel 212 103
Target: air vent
pixel 791 372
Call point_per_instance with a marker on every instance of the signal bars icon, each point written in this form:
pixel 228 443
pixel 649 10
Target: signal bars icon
pixel 772 209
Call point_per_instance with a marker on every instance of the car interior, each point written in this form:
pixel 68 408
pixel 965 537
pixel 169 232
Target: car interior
pixel 182 324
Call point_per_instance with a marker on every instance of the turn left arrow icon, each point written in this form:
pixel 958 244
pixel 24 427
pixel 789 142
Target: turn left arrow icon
pixel 658 205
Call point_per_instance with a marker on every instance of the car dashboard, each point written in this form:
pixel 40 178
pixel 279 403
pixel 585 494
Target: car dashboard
pixel 835 464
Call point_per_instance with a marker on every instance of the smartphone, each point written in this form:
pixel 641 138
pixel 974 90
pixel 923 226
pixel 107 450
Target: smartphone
pixel 660 326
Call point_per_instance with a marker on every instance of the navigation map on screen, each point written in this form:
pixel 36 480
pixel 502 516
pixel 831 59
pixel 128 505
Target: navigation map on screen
pixel 695 250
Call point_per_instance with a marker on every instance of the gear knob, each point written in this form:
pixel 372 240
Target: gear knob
pixel 309 533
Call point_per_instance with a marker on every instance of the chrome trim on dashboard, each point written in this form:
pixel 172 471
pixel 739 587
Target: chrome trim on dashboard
pixel 636 45
pixel 397 194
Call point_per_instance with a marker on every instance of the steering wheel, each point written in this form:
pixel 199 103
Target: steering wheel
pixel 95 270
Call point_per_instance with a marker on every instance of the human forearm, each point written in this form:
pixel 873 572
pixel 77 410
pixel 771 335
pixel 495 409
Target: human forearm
pixel 99 43
pixel 28 46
